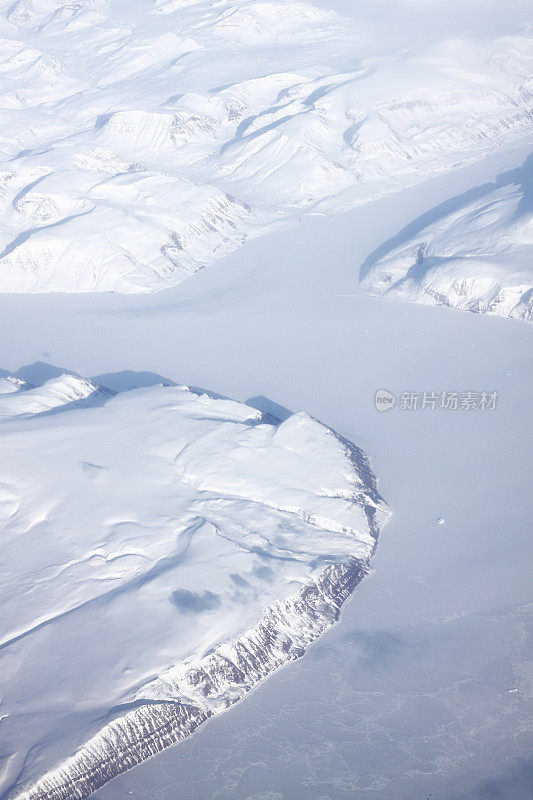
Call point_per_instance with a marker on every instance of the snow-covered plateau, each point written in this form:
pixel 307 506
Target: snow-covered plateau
pixel 142 140
pixel 162 553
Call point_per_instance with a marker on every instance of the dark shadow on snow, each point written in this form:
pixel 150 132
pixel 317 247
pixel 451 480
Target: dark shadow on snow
pixel 194 602
pixel 39 372
pixel 270 408
pixel 128 379
pixel 111 383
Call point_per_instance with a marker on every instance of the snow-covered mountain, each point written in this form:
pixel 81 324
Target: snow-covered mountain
pixel 163 551
pixel 209 543
pixel 20 399
pixel 142 140
pixel 477 257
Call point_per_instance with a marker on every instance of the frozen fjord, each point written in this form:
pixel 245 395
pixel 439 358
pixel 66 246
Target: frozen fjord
pixel 464 77
pixel 438 631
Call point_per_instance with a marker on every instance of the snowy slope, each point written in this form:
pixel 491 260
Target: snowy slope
pixel 11 384
pixel 56 393
pixel 143 140
pixel 210 544
pixel 477 258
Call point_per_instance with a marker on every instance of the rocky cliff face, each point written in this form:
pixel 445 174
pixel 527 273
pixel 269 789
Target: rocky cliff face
pixel 282 635
pixel 161 521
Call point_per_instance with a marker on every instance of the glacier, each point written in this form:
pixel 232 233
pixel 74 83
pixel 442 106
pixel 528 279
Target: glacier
pixel 142 141
pixel 212 543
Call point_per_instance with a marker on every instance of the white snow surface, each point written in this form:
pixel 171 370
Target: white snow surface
pixel 56 393
pixel 143 140
pixel 143 530
pixel 151 537
pixel 417 673
pixel 10 384
pixel 477 258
